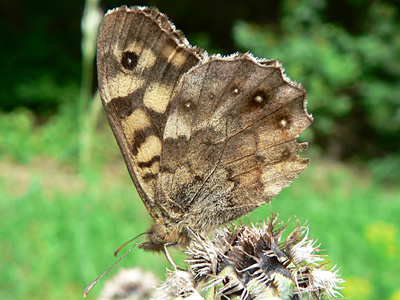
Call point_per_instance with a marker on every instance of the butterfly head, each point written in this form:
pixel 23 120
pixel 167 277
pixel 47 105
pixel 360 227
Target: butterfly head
pixel 165 234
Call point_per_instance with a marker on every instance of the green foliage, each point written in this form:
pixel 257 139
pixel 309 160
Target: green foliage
pixel 386 168
pixel 22 138
pixel 353 81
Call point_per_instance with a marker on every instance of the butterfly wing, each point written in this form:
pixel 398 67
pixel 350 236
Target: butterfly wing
pixel 230 140
pixel 141 58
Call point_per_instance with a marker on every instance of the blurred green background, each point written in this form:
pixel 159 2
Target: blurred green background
pixel 66 198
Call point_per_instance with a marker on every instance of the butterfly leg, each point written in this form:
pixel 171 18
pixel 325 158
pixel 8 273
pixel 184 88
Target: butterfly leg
pixel 169 256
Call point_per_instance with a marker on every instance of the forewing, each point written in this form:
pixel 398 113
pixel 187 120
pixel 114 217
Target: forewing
pixel 230 140
pixel 140 59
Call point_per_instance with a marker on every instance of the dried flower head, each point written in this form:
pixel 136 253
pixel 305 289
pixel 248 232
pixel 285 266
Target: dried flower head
pixel 130 284
pixel 251 262
pixel 179 285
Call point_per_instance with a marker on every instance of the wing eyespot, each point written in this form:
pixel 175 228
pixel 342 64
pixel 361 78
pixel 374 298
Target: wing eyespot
pixel 260 97
pixel 283 120
pixel 129 60
pixel 188 104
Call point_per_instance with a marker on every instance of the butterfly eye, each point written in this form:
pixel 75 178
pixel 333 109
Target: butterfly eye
pixel 129 60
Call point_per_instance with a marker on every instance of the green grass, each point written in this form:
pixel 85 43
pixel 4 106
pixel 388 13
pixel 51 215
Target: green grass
pixel 59 228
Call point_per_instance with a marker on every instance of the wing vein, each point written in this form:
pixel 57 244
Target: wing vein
pixel 228 84
pixel 212 171
pixel 258 150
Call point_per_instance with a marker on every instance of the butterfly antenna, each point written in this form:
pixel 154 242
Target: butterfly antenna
pixel 124 244
pixel 89 287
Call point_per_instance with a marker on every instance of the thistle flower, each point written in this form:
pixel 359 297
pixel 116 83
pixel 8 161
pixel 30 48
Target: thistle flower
pixel 251 262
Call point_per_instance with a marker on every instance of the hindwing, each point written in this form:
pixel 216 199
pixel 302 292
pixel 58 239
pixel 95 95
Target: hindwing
pixel 230 140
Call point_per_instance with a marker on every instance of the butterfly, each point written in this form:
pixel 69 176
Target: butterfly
pixel 206 138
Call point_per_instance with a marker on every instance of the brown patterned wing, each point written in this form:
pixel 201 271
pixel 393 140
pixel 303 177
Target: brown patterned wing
pixel 141 58
pixel 230 140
